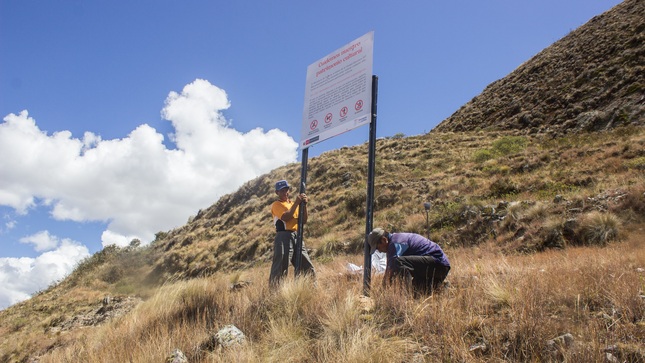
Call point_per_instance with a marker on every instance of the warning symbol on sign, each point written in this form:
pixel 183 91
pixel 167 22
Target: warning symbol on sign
pixel 359 105
pixel 343 111
pixel 328 117
pixel 313 124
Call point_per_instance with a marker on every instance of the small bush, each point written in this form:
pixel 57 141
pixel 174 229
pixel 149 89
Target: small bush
pixel 509 145
pixel 632 207
pixel 483 155
pixel 159 236
pixel 597 228
pixel 551 234
pixel 537 211
pixel 113 274
pixel 355 203
pixel 504 146
pixel 89 264
pixel 638 163
pixel 503 187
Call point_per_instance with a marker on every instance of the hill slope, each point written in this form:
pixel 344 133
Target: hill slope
pixel 590 80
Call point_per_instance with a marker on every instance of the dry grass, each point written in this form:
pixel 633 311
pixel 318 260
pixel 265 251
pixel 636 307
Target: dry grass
pixel 528 171
pixel 497 308
pixel 599 228
pixel 510 225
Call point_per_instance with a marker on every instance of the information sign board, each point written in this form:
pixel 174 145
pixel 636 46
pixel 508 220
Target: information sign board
pixel 338 93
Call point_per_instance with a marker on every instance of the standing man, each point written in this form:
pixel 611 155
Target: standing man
pixel 411 257
pixel 285 218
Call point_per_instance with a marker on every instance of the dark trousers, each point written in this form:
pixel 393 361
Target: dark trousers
pixel 424 272
pixel 283 252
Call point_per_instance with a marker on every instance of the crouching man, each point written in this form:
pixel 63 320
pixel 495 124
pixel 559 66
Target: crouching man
pixel 411 257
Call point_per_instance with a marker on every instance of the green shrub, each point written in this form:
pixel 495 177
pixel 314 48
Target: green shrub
pixel 509 145
pixel 505 146
pixel 638 163
pixel 483 155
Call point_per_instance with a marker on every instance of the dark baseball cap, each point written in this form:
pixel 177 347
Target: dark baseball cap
pixel 281 184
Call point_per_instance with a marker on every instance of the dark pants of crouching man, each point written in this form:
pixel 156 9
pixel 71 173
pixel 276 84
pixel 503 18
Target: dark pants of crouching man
pixel 284 246
pixel 424 272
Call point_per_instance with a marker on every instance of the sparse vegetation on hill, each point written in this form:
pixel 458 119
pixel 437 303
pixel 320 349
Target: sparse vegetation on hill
pixel 551 232
pixel 545 232
pixel 590 80
pixel 524 185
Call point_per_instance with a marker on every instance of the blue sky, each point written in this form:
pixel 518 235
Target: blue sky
pixel 123 118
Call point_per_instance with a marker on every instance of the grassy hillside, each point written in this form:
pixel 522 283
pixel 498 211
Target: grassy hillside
pixel 515 189
pixel 545 236
pixel 590 80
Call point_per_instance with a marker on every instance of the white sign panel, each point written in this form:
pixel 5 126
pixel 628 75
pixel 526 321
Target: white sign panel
pixel 338 93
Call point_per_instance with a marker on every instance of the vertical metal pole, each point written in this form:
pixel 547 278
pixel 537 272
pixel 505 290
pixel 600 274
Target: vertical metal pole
pixel 369 215
pixel 427 225
pixel 301 211
pixel 427 206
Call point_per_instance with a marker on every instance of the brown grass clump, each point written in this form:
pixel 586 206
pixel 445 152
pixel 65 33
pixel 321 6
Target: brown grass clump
pixel 598 228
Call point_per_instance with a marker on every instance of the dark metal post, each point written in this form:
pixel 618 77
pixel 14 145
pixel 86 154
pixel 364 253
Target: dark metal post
pixel 301 211
pixel 427 205
pixel 369 212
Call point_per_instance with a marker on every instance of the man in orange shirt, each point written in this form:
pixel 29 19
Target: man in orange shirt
pixel 285 218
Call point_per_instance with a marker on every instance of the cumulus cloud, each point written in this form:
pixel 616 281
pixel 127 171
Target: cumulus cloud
pixel 136 184
pixel 42 241
pixel 21 277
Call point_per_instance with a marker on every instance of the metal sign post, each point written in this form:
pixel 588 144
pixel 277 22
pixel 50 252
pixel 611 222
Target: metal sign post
pixel 369 211
pixel 301 210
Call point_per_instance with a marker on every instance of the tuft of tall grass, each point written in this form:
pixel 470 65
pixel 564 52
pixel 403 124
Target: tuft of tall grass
pixel 537 211
pixel 596 228
pixel 551 233
pixel 499 294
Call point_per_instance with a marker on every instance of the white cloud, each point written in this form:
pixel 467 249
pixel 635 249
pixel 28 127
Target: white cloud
pixel 42 241
pixel 21 277
pixel 136 184
pixel 9 224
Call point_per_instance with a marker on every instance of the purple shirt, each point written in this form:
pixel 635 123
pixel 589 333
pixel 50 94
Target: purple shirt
pixel 412 244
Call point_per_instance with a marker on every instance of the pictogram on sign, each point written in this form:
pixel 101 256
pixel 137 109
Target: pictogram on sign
pixel 313 124
pixel 328 117
pixel 343 111
pixel 359 105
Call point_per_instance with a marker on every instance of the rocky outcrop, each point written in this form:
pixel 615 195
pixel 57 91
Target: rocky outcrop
pixel 108 309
